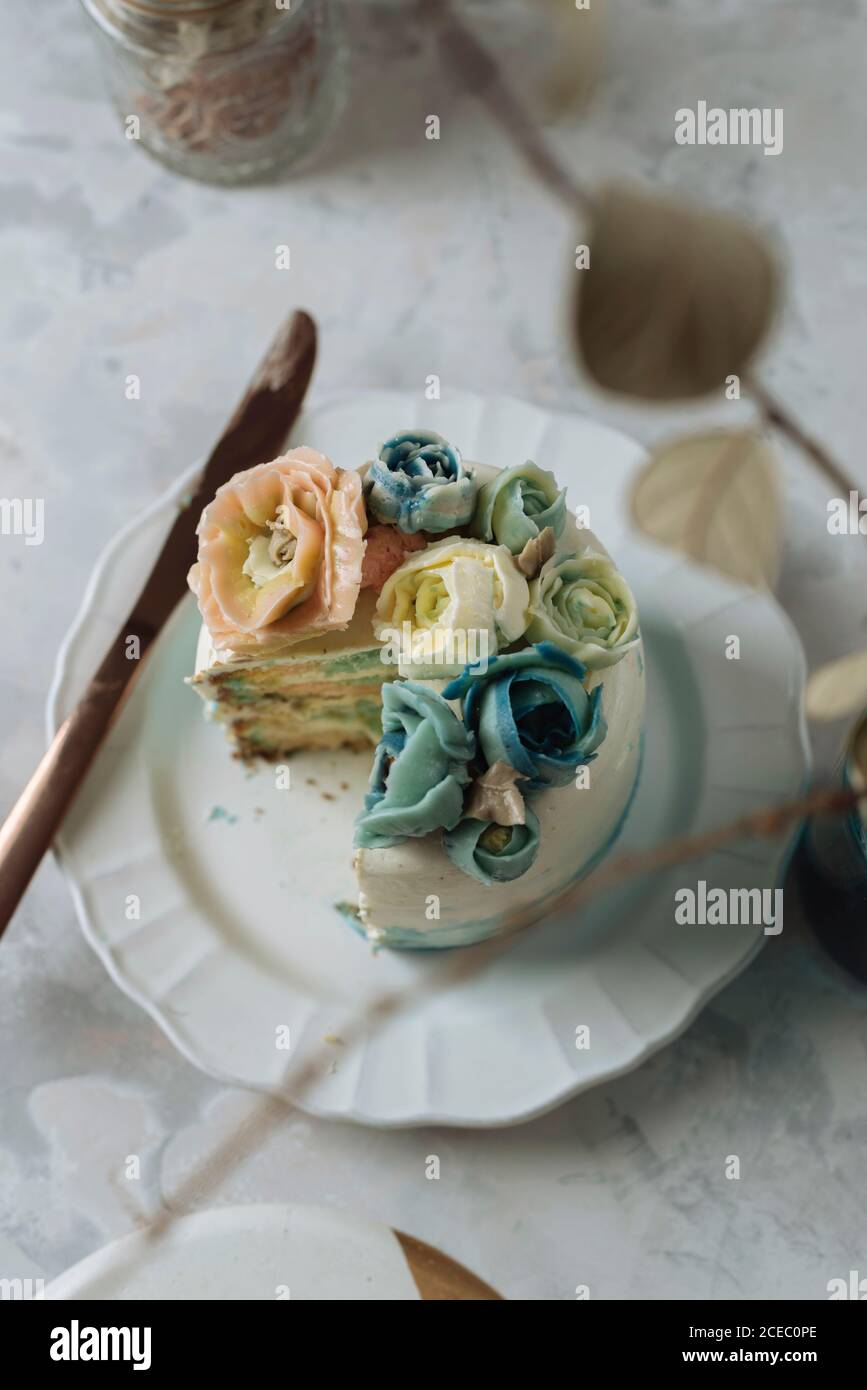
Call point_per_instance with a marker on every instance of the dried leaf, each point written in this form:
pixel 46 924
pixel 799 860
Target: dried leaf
pixel 715 498
pixel 838 688
pixel 575 61
pixel 675 298
pixel 858 757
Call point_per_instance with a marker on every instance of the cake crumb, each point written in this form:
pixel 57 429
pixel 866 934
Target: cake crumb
pixel 344 786
pixel 258 811
pixel 311 781
pixel 328 796
pixel 333 1038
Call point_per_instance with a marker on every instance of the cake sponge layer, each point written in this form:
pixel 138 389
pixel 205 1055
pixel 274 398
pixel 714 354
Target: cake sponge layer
pixel 323 693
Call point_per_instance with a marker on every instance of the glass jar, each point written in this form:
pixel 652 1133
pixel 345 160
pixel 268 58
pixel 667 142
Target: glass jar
pixel 223 90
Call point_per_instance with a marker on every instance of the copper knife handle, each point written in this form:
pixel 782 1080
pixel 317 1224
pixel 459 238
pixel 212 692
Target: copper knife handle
pixel 34 819
pixel 254 434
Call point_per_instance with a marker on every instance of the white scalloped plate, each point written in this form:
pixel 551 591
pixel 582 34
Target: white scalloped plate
pixel 236 880
pixel 306 1253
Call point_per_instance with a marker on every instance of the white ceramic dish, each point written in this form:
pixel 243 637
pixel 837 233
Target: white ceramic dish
pixel 235 881
pixel 245 1253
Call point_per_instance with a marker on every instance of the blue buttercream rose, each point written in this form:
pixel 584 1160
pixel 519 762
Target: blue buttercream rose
pixel 530 709
pixel 419 769
pixel 493 853
pixel 420 483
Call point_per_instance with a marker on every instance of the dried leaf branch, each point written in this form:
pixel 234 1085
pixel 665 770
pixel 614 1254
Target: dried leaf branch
pixel 775 414
pixel 725 279
pixel 464 54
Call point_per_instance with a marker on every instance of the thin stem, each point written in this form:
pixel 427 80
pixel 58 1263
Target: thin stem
pixel 776 414
pixel 463 53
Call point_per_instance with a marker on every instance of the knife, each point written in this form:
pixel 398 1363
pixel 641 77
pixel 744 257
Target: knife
pixel 255 434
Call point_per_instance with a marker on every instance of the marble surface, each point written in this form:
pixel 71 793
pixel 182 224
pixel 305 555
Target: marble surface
pixel 421 257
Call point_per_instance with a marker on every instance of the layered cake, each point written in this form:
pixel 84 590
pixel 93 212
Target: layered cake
pixel 455 619
pixel 322 693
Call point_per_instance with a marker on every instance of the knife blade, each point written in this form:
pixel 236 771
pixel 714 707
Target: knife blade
pixel 255 433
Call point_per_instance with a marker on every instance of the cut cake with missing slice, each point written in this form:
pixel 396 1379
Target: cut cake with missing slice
pixel 499 775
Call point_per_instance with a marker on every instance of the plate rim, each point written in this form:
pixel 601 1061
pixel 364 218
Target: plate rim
pixel 238 1219
pixel 411 1119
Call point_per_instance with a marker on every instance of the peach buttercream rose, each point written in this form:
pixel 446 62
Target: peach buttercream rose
pixel 280 553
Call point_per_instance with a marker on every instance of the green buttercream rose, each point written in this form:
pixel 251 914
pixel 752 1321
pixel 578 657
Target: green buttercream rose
pixel 518 505
pixel 584 605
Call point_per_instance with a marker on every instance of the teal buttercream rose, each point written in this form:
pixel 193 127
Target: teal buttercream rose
pixel 420 483
pixel 493 853
pixel 419 768
pixel 530 709
pixel 517 505
pixel 584 605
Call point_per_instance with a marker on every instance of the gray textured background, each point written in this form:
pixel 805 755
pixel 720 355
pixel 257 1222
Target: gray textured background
pixel 419 257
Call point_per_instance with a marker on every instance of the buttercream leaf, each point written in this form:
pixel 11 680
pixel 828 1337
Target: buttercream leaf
pixel 537 550
pixel 495 796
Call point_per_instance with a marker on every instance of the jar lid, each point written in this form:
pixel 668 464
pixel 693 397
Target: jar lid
pixel 187 9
